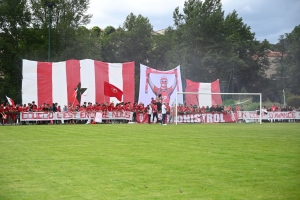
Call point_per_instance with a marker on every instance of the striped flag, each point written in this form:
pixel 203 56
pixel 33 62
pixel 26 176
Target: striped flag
pixel 203 99
pixel 10 101
pixel 56 82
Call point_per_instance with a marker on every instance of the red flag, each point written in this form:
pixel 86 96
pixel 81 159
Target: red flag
pixel 10 101
pixel 112 91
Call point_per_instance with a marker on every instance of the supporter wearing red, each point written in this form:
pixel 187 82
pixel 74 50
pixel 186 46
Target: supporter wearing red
pixel 140 108
pixel 229 109
pixel 168 108
pixel 237 108
pixel 98 107
pixel 154 112
pixel 104 107
pixel 127 106
pixel 2 114
pixel 152 100
pixel 111 107
pixel 7 108
pixel 202 109
pixel 273 108
pixel 20 108
pixel 34 107
pixel 15 108
pixel 180 108
pixel 119 107
pixel 89 107
pixel 184 109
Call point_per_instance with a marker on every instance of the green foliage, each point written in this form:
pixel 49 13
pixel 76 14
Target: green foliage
pixel 24 35
pixel 294 101
pixel 293 61
pixel 96 31
pixel 250 106
pixel 109 30
pixel 229 102
pixel 211 46
pixel 14 20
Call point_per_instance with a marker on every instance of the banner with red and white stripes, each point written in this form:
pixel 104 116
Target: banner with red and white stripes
pixel 203 99
pixel 55 82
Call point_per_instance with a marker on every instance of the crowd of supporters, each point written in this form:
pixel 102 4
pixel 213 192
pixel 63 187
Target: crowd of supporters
pixel 122 106
pixel 274 108
pixel 107 107
pixel 125 106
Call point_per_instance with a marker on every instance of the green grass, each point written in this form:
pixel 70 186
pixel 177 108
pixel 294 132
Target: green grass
pixel 134 161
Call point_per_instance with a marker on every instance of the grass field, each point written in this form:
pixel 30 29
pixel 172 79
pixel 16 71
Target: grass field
pixel 134 161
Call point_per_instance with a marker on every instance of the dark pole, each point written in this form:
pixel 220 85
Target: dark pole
pixel 233 77
pixel 49 34
pixel 50 5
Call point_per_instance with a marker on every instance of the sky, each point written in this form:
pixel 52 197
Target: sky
pixel 268 19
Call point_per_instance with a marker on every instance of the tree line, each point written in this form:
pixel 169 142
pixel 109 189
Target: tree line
pixel 206 44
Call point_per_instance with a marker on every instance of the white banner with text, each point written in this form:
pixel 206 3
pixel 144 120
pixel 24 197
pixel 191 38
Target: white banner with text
pixel 249 115
pixel 47 116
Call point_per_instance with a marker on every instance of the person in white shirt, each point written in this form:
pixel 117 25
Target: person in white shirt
pixel 164 113
pixel 149 112
pixel 172 113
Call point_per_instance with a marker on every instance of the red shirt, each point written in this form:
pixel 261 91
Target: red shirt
pixel 154 108
pixel 119 108
pixel 140 108
pixel 111 108
pixel 168 108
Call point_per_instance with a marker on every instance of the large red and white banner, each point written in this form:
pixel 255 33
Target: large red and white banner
pixel 56 82
pixel 203 99
pixel 154 82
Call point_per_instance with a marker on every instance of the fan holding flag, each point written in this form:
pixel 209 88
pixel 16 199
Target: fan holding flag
pixel 10 101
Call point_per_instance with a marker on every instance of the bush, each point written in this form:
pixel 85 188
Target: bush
pixel 293 101
pixel 250 107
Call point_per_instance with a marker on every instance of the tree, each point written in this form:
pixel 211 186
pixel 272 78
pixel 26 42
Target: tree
pixel 213 47
pixel 24 35
pixel 162 46
pixel 96 31
pixel 292 61
pixel 131 42
pixel 65 17
pixel 14 20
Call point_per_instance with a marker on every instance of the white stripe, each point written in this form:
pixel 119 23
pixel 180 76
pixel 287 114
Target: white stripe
pixel 115 77
pixel 29 82
pixel 59 83
pixel 87 78
pixel 205 99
